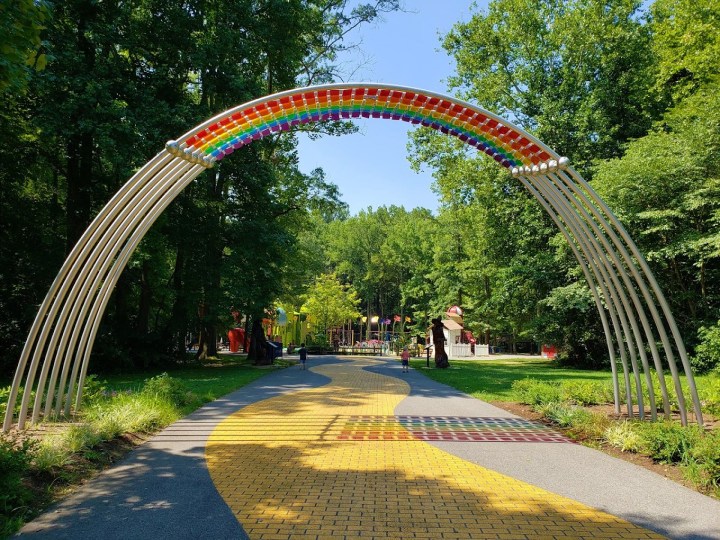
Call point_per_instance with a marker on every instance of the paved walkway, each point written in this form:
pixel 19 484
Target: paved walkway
pixel 357 449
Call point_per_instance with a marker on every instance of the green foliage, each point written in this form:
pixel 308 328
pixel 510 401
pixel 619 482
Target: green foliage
pixel 707 352
pixel 21 24
pixel 132 413
pixel 669 442
pixel 580 423
pixel 14 496
pixel 686 43
pixel 331 303
pixel 5 395
pixel 532 392
pixel 709 392
pixel 165 387
pixel 703 464
pixel 625 436
pixel 535 392
pixel 51 454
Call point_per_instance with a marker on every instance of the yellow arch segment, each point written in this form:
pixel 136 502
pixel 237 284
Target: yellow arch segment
pixel 282 470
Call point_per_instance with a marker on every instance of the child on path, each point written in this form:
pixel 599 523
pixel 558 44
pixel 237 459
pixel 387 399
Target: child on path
pixel 303 355
pixel 405 355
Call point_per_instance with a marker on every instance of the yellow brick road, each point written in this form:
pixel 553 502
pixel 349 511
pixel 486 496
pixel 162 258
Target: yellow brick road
pixel 282 469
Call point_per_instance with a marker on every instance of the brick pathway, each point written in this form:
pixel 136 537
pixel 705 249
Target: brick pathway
pixel 335 462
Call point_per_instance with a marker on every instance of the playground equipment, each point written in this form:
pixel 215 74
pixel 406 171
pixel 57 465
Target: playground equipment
pixel 57 352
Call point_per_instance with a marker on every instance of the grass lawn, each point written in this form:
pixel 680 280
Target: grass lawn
pixel 209 381
pixel 491 380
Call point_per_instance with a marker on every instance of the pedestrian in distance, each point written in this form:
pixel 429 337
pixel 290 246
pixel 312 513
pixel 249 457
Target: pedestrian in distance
pixel 405 356
pixel 303 355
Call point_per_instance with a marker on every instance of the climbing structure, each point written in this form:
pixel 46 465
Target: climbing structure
pixel 635 315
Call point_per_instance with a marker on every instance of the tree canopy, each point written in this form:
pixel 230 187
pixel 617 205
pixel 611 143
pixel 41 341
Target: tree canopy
pixel 627 90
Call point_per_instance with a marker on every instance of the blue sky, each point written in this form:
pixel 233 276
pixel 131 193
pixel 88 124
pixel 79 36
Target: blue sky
pixel 371 167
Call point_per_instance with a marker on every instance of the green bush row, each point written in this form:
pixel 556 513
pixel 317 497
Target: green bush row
pixel 696 451
pixel 535 392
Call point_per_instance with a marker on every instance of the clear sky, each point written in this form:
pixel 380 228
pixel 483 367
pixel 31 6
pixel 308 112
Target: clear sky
pixel 371 167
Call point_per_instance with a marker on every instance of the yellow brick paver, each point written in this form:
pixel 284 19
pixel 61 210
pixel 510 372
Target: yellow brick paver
pixel 282 470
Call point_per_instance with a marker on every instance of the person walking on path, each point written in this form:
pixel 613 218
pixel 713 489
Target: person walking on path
pixel 405 356
pixel 303 355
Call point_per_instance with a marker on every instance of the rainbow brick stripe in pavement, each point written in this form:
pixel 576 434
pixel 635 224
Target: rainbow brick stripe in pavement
pixel 447 428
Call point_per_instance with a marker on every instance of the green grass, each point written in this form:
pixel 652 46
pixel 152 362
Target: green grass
pixel 207 381
pixel 492 380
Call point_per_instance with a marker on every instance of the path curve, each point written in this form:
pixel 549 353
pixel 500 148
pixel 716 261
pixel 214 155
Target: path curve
pixel 335 461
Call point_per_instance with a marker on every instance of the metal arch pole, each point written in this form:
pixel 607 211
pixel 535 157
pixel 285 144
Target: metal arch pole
pixel 80 296
pixel 93 321
pixel 616 290
pixel 72 303
pixel 614 305
pixel 646 294
pixel 649 302
pixel 103 280
pixel 593 289
pixel 597 264
pixel 650 337
pixel 59 286
pixel 597 235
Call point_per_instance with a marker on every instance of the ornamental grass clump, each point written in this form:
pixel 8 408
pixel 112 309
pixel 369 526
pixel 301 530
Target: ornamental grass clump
pixel 625 436
pixel 581 423
pixel 132 413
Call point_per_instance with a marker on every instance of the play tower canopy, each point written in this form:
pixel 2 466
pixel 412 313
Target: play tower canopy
pixel 633 310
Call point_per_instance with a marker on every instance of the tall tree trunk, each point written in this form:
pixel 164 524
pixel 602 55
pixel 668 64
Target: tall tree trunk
pixel 258 352
pixel 143 316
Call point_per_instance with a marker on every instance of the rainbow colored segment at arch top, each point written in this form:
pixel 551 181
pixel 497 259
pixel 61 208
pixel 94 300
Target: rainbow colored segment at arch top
pixel 505 143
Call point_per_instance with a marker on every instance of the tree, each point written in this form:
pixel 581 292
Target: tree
pixel 575 73
pixel 666 188
pixel 21 51
pixel 331 303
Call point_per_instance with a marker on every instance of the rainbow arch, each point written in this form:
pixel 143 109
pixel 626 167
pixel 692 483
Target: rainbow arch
pixel 633 310
pixel 503 142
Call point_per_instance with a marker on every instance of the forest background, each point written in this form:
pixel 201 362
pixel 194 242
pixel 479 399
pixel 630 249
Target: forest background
pixel 629 91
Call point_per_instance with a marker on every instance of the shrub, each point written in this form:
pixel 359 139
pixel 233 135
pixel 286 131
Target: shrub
pixel 14 462
pixel 709 393
pixel 5 395
pixel 582 392
pixel 94 390
pixel 624 436
pixel 534 392
pixel 703 466
pixel 171 389
pixel 669 442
